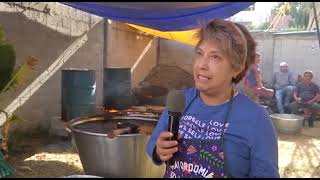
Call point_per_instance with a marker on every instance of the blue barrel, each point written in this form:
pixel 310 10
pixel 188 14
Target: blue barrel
pixel 117 92
pixel 78 93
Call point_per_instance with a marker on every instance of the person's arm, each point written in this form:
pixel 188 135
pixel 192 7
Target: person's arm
pixel 291 79
pixel 296 91
pixel 295 96
pixel 258 76
pixel 162 125
pixel 264 151
pixel 317 92
pixel 246 76
pixel 315 99
pixel 273 82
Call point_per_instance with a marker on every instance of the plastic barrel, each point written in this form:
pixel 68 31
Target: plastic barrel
pixel 117 92
pixel 78 93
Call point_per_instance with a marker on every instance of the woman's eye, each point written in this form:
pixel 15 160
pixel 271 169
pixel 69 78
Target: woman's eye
pixel 198 53
pixel 214 57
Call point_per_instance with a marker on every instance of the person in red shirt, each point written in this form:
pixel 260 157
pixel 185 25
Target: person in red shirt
pixel 253 82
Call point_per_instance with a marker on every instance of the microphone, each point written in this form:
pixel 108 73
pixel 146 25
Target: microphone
pixel 175 105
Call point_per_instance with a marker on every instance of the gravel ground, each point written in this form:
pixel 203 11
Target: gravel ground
pixel 40 156
pixel 299 155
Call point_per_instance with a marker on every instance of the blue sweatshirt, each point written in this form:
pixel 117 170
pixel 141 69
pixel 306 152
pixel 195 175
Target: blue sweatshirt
pixel 250 138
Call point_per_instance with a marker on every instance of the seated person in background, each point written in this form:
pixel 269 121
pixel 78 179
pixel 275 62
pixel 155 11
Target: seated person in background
pixel 306 95
pixel 253 82
pixel 283 84
pixel 299 79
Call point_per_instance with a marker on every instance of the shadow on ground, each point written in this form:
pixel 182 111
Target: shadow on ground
pixel 305 157
pixel 49 169
pixel 39 155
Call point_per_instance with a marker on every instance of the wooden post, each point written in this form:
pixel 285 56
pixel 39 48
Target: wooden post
pixel 316 19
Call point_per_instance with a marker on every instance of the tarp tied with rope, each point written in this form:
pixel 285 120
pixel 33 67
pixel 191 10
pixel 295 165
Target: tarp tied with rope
pixel 171 20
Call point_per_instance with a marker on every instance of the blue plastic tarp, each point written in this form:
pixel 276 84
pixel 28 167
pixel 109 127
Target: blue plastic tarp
pixel 162 16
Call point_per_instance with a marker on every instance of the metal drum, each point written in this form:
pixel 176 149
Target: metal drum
pixel 287 123
pixel 78 93
pixel 122 156
pixel 117 88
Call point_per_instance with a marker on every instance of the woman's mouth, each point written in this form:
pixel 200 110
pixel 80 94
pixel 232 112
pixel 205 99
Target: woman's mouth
pixel 203 78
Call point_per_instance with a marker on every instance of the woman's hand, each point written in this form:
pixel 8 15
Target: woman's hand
pixel 164 147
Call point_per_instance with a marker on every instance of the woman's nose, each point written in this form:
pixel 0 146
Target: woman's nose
pixel 203 63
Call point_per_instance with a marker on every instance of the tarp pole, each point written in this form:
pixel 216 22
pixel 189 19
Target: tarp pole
pixel 105 32
pixel 316 19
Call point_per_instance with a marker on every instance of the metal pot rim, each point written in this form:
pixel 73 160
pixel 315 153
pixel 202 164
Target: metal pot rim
pixel 298 117
pixel 70 126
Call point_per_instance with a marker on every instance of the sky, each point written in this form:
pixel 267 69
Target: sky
pixel 260 14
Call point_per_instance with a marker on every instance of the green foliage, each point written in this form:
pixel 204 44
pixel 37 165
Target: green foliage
pixel 11 141
pixel 299 11
pixel 7 62
pixel 250 27
pixel 275 9
pixel 5 168
pixel 10 78
pixel 21 73
pixel 262 26
pixel 2 36
pixel 14 143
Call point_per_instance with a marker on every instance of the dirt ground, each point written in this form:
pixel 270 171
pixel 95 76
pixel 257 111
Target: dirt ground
pixel 38 155
pixel 42 156
pixel 299 155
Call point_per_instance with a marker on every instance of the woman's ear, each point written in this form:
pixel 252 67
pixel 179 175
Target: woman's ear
pixel 238 71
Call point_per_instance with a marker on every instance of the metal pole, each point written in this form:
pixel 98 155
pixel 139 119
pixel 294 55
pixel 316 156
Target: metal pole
pixel 316 19
pixel 105 41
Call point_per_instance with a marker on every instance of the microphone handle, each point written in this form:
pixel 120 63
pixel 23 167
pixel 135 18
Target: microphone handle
pixel 173 127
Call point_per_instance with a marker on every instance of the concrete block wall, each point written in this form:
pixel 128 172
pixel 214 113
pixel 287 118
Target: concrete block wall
pixel 124 47
pixel 300 50
pixel 265 46
pixel 54 15
pixel 44 31
pixel 32 33
pixel 176 54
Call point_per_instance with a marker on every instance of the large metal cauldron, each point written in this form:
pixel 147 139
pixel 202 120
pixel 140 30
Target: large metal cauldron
pixel 122 156
pixel 287 123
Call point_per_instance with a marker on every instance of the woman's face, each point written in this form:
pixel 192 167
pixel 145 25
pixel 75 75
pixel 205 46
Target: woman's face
pixel 212 70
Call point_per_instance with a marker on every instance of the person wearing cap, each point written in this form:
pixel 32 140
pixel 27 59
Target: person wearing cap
pixel 306 95
pixel 253 81
pixel 283 83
